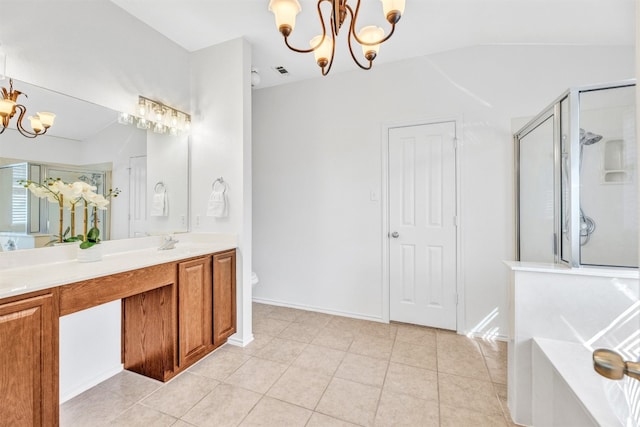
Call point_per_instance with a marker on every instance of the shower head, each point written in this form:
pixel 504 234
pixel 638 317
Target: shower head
pixel 588 138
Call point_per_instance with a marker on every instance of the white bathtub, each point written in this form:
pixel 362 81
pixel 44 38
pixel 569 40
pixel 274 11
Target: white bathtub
pixel 568 392
pixel 584 308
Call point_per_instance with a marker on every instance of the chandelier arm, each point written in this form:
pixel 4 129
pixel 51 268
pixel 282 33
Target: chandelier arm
pixel 351 32
pixel 352 28
pixel 19 126
pixel 324 34
pixel 355 59
pixel 333 51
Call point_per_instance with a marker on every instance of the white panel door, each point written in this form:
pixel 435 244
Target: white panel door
pixel 422 228
pixel 138 196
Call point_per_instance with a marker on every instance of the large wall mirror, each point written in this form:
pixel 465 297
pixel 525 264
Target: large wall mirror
pixel 86 143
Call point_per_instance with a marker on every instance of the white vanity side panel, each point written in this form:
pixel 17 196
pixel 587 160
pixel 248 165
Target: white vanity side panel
pixel 90 345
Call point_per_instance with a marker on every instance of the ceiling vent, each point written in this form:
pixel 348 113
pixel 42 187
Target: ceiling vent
pixel 281 70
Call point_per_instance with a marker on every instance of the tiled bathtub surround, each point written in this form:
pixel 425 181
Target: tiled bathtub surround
pixel 312 369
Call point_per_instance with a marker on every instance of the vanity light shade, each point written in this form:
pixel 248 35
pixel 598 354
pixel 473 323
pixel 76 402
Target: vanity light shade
pixel 395 8
pixel 158 128
pixel 142 108
pixel 125 118
pixel 46 119
pixel 285 12
pixel 36 124
pixel 143 123
pixel 371 34
pixel 6 107
pixel 323 52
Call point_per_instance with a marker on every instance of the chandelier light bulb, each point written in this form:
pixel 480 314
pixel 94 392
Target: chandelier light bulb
pixel 285 12
pixel 393 10
pixel 36 124
pixel 6 107
pixel 323 51
pixel 46 119
pixel 371 34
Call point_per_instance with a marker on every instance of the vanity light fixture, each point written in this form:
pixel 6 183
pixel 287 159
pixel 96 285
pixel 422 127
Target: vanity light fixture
pixel 158 117
pixel 40 123
pixel 323 46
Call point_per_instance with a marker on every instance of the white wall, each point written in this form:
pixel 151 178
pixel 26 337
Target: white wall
pixel 92 50
pixel 317 157
pixel 221 147
pixel 95 51
pixel 168 163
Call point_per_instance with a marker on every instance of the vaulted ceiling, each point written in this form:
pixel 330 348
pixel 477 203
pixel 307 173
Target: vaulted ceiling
pixel 428 26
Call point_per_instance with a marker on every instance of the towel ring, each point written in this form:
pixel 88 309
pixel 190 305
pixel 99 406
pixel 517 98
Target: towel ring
pixel 160 187
pixel 221 182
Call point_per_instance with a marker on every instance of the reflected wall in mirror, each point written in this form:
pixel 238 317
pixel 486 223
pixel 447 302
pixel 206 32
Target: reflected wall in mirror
pixel 87 140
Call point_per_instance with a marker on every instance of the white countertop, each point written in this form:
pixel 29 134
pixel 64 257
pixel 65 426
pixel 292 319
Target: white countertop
pixel 36 269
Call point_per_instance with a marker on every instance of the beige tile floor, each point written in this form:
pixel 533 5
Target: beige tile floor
pixel 313 369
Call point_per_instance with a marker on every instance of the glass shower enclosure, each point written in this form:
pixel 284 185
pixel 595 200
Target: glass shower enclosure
pixel 576 180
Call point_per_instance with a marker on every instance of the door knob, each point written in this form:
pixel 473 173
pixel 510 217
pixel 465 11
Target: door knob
pixel 395 234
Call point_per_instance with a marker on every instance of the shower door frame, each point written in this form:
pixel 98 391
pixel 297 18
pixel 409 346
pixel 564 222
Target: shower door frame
pixel 573 178
pixel 551 112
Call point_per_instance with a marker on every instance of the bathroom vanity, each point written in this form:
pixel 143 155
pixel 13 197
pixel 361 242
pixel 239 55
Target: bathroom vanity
pixel 177 306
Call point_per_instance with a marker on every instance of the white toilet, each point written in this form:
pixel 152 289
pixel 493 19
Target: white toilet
pixel 254 280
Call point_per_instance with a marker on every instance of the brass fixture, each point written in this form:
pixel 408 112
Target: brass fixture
pixel 610 364
pixel 40 123
pixel 370 37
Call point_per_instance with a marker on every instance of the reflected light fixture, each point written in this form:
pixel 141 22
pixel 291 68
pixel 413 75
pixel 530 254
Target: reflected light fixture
pixel 157 116
pixel 323 46
pixel 40 123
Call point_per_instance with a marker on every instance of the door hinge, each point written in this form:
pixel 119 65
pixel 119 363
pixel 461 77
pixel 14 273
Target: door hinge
pixel 457 299
pixel 455 221
pixel 455 143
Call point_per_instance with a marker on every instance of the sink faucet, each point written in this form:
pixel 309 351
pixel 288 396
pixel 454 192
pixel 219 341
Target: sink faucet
pixel 168 243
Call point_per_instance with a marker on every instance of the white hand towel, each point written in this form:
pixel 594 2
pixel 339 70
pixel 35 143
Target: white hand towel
pixel 159 204
pixel 217 206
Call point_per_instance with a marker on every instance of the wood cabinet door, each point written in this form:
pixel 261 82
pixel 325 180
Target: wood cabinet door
pixel 29 362
pixel 149 333
pixel 224 296
pixel 194 309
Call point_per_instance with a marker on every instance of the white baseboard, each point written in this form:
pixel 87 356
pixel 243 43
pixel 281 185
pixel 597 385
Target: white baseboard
pixel 90 383
pixel 319 309
pixel 239 342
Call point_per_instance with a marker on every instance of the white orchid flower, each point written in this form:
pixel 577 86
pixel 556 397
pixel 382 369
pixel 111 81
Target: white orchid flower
pixel 97 200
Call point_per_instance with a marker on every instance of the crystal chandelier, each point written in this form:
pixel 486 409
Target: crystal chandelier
pixel 323 46
pixel 40 123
